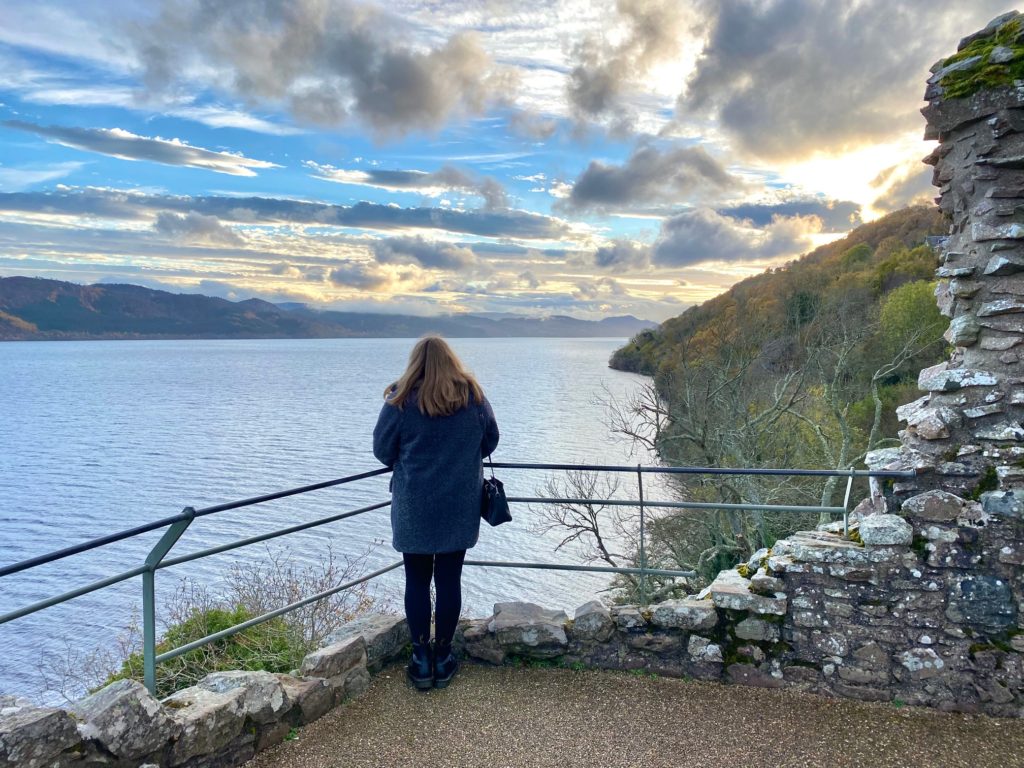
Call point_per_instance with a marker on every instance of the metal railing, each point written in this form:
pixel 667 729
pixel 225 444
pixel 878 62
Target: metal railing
pixel 176 525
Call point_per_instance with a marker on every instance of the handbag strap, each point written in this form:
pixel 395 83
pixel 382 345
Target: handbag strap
pixel 483 419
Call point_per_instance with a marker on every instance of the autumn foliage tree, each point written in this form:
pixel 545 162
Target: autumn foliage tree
pixel 799 367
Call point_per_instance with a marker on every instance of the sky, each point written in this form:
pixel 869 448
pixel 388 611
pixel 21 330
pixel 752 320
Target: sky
pixel 438 156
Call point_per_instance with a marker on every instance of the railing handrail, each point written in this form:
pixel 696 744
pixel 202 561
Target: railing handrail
pixel 655 469
pixel 177 524
pixel 85 546
pixel 128 533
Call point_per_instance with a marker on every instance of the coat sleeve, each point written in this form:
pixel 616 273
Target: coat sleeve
pixel 490 438
pixel 386 435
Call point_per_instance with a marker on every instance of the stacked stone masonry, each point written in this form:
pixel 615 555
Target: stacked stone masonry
pixel 968 424
pixel 222 721
pixel 895 618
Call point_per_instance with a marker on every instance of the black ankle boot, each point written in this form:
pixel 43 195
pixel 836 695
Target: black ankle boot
pixel 421 667
pixel 445 664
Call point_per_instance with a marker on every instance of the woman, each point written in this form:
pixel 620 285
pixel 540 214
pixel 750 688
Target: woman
pixel 434 429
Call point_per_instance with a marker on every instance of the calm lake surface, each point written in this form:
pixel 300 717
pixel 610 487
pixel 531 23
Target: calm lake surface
pixel 100 436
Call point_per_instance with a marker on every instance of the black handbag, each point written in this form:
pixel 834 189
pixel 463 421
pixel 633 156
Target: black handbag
pixel 493 504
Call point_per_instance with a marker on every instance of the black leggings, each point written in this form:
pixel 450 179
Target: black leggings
pixel 446 570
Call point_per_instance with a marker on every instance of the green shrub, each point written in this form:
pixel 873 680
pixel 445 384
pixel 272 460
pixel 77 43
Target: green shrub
pixel 250 589
pixel 272 646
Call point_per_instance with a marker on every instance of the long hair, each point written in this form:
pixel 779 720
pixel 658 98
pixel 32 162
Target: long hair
pixel 444 384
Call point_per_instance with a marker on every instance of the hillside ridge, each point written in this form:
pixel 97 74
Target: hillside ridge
pixel 888 252
pixel 39 309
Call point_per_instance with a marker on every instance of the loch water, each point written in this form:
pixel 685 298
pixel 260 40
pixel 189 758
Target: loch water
pixel 103 435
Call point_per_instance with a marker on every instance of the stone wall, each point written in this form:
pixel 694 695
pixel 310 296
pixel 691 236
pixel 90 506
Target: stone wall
pixel 222 721
pixel 885 619
pixel 967 428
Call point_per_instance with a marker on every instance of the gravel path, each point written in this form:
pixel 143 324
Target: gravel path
pixel 502 717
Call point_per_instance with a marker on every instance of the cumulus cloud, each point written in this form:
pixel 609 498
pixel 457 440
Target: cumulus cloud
pixel 445 179
pixel 702 235
pixel 531 125
pixel 650 176
pixel 129 146
pixel 326 61
pixel 903 185
pixel 786 77
pixel 426 253
pixel 530 280
pixel 194 227
pixel 591 290
pixel 133 206
pixel 354 274
pixel 620 255
pixel 603 70
pixel 835 215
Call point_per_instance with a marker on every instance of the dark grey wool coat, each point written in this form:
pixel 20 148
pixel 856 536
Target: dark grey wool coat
pixel 438 474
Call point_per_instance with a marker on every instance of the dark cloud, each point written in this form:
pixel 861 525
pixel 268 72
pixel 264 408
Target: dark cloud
pixel 592 290
pixel 433 255
pixel 835 215
pixel 128 146
pixel 701 235
pixel 499 249
pixel 620 255
pixel 355 274
pixel 903 186
pixel 307 272
pixel 786 77
pixel 119 204
pixel 436 182
pixel 531 125
pixel 650 176
pixel 327 61
pixel 603 71
pixel 530 280
pixel 194 227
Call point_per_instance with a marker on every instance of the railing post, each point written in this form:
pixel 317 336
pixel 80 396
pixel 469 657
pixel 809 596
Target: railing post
pixel 643 550
pixel 155 557
pixel 846 504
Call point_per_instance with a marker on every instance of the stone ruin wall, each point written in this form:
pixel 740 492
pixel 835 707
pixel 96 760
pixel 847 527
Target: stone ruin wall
pixel 927 609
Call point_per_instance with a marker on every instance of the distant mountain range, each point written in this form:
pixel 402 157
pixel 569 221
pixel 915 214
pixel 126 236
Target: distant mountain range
pixel 33 308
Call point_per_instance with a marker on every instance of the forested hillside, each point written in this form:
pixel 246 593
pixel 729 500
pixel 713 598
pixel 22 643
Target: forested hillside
pixel 871 261
pixel 798 367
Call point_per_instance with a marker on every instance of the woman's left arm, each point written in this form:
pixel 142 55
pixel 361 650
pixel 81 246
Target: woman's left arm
pixel 386 435
pixel 491 435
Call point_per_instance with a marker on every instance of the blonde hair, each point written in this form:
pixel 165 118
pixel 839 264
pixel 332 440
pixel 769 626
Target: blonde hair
pixel 444 384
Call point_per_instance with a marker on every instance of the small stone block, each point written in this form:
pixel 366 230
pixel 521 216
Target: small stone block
pixel 262 696
pixel 208 721
pixel 311 698
pixel 335 659
pixel 885 531
pixel 687 614
pixel 593 622
pixel 34 736
pixel 126 719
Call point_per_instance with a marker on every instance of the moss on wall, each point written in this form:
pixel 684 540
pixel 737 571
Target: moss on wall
pixel 986 74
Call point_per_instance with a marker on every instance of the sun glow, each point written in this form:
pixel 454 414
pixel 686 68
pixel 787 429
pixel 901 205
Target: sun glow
pixel 861 175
